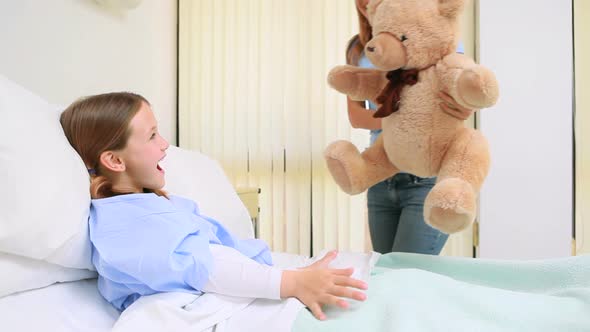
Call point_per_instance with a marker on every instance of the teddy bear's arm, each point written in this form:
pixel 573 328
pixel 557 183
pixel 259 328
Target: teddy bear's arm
pixel 357 83
pixel 471 85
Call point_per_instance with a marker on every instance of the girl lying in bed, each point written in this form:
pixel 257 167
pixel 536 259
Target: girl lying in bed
pixel 146 242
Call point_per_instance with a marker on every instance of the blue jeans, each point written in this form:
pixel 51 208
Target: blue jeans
pixel 396 218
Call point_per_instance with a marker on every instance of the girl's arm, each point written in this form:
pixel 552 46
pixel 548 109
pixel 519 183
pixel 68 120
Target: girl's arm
pixel 237 275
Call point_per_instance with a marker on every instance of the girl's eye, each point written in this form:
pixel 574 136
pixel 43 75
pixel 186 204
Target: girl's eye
pixel 403 38
pixel 153 136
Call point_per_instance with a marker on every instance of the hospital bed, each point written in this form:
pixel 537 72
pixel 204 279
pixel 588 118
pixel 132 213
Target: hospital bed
pixel 47 282
pixel 77 305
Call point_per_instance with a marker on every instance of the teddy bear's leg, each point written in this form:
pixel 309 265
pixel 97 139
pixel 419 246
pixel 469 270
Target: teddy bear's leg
pixel 451 204
pixel 357 83
pixel 354 172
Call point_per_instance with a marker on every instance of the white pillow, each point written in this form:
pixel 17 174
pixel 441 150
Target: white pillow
pixel 45 199
pixel 21 274
pixel 193 175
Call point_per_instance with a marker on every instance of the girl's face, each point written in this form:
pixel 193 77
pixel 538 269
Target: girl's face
pixel 144 150
pixel 362 6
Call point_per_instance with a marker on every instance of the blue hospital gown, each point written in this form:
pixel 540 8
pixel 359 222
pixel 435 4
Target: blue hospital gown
pixel 144 244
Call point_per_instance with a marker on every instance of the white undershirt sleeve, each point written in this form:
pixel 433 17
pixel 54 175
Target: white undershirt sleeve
pixel 237 275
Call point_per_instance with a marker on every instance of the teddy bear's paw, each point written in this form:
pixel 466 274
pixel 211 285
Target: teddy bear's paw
pixel 478 87
pixel 339 174
pixel 450 206
pixel 341 157
pixel 343 79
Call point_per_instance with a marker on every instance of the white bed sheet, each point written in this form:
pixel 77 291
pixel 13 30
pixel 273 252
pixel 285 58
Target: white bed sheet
pixel 71 306
pixel 78 306
pixel 75 306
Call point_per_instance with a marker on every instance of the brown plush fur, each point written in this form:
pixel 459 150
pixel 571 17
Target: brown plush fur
pixel 419 138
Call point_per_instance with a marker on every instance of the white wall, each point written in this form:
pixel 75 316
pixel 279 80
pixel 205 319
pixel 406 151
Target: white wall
pixel 526 202
pixel 64 49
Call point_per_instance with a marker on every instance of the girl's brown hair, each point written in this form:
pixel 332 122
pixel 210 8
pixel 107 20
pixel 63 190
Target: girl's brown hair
pixel 356 45
pixel 100 123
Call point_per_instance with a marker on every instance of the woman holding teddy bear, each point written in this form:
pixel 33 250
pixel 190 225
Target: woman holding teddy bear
pixel 395 206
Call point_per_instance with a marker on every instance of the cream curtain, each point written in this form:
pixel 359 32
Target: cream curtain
pixel 582 124
pixel 461 244
pixel 253 95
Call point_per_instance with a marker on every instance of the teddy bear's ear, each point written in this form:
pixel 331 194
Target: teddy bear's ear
pixel 450 8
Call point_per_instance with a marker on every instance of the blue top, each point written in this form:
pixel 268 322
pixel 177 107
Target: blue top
pixel 364 62
pixel 144 244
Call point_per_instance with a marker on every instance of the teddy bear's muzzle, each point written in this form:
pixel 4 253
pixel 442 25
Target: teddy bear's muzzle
pixel 386 52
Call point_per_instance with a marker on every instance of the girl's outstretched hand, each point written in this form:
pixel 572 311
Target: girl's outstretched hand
pixel 318 285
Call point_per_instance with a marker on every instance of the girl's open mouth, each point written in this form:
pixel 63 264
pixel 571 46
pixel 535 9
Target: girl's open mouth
pixel 160 167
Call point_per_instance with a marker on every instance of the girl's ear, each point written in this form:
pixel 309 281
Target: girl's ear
pixel 111 161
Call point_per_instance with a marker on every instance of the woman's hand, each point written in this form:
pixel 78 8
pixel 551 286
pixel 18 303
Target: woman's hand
pixel 318 285
pixel 452 108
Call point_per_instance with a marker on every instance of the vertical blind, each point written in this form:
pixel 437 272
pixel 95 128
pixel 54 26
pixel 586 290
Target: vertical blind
pixel 253 95
pixel 582 125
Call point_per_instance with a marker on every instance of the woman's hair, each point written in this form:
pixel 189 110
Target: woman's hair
pixel 100 123
pixel 356 45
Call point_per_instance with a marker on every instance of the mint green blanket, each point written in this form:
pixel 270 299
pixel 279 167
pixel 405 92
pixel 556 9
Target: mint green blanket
pixel 409 292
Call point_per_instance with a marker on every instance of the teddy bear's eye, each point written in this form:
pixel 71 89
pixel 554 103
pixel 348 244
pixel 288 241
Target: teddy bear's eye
pixel 403 38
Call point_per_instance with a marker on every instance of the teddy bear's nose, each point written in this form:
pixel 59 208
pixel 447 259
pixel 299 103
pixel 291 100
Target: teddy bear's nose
pixel 371 49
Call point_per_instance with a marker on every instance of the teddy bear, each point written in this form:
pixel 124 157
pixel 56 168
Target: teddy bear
pixel 413 49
